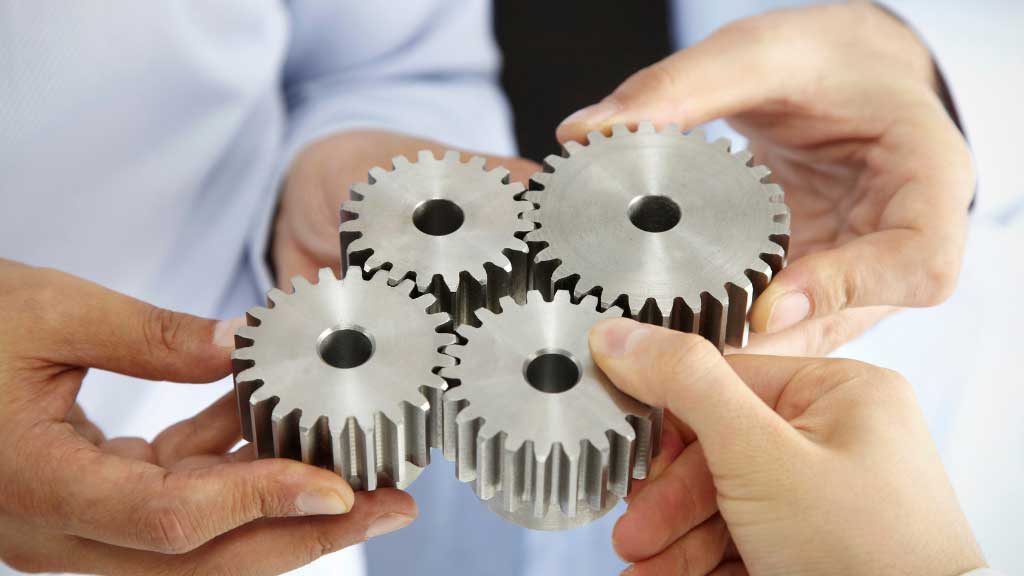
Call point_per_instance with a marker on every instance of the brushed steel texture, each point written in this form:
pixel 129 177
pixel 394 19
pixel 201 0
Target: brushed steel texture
pixel 673 229
pixel 342 374
pixel 556 453
pixel 449 225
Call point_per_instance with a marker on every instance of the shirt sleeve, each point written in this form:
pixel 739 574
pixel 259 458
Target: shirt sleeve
pixel 426 68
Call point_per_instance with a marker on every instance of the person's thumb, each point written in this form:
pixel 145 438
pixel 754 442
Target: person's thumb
pixel 83 324
pixel 686 375
pixel 716 78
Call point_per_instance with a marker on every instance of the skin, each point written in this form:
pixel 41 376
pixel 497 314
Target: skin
pixel 839 101
pixel 781 465
pixel 72 500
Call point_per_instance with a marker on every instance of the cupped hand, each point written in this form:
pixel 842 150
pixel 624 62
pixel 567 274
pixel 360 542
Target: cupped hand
pixel 73 501
pixel 840 102
pixel 306 226
pixel 786 465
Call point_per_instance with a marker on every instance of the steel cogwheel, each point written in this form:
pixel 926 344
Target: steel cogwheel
pixel 453 227
pixel 673 229
pixel 549 442
pixel 342 374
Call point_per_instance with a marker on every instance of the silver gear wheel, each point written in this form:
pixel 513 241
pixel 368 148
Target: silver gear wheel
pixel 673 229
pixel 341 374
pixel 549 442
pixel 453 227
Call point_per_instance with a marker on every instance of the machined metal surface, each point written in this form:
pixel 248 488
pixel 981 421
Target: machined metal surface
pixel 673 229
pixel 449 225
pixel 547 440
pixel 341 374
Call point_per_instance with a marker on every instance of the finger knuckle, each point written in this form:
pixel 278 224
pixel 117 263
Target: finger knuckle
pixel 940 278
pixel 688 354
pixel 161 329
pixel 170 529
pixel 26 561
pixel 658 78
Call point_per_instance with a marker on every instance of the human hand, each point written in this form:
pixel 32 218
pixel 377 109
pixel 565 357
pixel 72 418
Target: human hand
pixel 306 227
pixel 817 466
pixel 74 501
pixel 840 103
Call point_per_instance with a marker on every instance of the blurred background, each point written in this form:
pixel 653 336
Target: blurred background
pixel 964 357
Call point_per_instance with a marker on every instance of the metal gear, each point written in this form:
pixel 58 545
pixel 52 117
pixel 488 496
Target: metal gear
pixel 671 228
pixel 341 374
pixel 548 440
pixel 450 226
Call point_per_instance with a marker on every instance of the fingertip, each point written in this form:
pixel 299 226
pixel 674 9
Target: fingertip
pixel 593 117
pixel 615 337
pixel 224 331
pixel 780 307
pixel 621 534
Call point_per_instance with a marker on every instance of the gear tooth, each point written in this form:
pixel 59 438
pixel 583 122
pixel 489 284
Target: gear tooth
pixel 645 127
pixel 356 194
pixel 620 130
pixel 744 156
pixel 761 172
pixel 261 426
pixel 591 302
pixel 251 374
pixel 563 296
pixel 351 225
pixel 452 157
pixel 300 283
pixel 699 134
pixel 276 296
pixel 377 174
pixel 258 312
pixel 533 196
pixel 247 332
pixel 355 246
pixel 741 297
pixel 500 173
pixel 775 193
pixel 525 225
pixel 326 275
pixel 571 147
pixel 621 459
pixel 595 136
pixel 551 162
pixel 315 440
pixel 595 460
pixel 568 478
pixel 425 156
pixel 723 144
pixel 672 128
pixel 540 178
pixel 400 162
pixel 374 262
pixel 488 462
pixel 461 434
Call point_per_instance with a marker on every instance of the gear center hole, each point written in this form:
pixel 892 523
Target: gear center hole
pixel 654 213
pixel 438 217
pixel 345 347
pixel 552 371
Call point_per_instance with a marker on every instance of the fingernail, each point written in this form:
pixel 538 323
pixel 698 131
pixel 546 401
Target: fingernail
pixel 387 523
pixel 321 502
pixel 628 571
pixel 617 336
pixel 224 332
pixel 788 310
pixel 593 114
